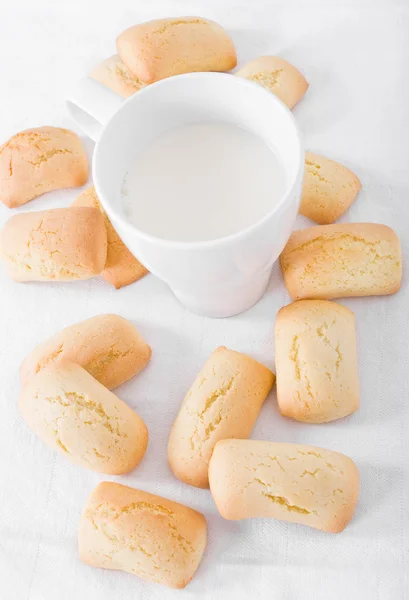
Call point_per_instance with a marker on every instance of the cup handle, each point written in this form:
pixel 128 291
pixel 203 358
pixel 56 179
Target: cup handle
pixel 91 105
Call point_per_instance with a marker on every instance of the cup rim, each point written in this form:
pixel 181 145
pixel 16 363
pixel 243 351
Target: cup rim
pixel 229 239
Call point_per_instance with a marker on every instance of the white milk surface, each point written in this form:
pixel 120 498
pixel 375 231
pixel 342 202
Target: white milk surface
pixel 202 181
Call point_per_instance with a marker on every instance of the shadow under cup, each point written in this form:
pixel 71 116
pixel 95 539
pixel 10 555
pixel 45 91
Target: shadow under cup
pixel 225 276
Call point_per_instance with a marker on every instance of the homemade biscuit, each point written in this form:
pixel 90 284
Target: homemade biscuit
pixel 121 267
pixel 109 347
pixel 130 530
pixel 73 413
pixel 224 401
pixel 278 76
pixel 288 482
pixel 61 244
pixel 40 160
pixel 165 47
pixel 113 73
pixel 336 261
pixel 329 189
pixel 316 361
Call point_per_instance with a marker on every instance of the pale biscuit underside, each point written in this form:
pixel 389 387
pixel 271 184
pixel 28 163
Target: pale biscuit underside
pixel 113 73
pixel 278 76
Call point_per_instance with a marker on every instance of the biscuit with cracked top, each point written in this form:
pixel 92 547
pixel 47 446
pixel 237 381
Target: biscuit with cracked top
pixel 316 361
pixel 289 482
pixel 73 413
pixel 158 49
pixel 109 347
pixel 121 267
pixel 329 189
pixel 40 160
pixel 224 401
pixel 337 261
pixel 113 73
pixel 62 244
pixel 149 536
pixel 278 76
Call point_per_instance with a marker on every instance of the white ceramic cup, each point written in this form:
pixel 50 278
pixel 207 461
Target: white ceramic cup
pixel 217 278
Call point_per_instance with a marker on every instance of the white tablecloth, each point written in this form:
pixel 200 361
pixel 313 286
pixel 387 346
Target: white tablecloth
pixel 355 55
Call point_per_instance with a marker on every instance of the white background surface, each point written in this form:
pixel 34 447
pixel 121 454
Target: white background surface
pixel 354 55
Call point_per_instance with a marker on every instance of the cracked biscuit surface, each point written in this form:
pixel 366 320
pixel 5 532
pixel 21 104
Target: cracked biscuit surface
pixel 113 73
pixel 73 413
pixel 109 347
pixel 62 244
pixel 165 47
pixel 149 536
pixel 277 76
pixel 316 361
pixel 329 189
pixel 337 261
pixel 224 401
pixel 121 267
pixel 289 482
pixel 40 160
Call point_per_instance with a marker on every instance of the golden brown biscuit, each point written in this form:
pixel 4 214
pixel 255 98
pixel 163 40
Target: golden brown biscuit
pixel 278 76
pixel 337 261
pixel 73 413
pixel 152 537
pixel 121 267
pixel 109 347
pixel 62 244
pixel 158 49
pixel 113 73
pixel 224 401
pixel 329 189
pixel 316 361
pixel 40 160
pixel 288 482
